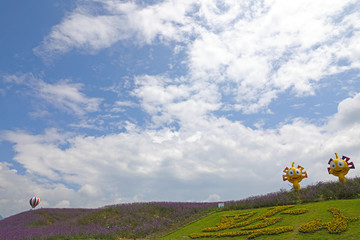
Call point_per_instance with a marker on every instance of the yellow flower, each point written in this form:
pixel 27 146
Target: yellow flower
pixel 337 225
pixel 295 211
pixel 240 220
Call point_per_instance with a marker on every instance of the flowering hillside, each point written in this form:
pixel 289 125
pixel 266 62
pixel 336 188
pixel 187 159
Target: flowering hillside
pixel 151 220
pixel 126 220
pixel 332 220
pixel 320 191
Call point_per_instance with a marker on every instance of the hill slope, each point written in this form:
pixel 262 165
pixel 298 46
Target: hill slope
pixel 296 222
pixel 126 220
pixel 151 220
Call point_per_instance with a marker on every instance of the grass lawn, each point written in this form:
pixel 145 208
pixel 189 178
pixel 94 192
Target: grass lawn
pixel 317 210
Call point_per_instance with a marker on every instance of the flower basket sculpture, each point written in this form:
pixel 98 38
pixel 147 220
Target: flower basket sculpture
pixel 294 175
pixel 340 167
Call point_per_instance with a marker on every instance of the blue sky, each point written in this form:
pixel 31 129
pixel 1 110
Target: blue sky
pixel 108 101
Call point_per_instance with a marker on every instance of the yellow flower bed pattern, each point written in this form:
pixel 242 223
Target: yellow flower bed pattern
pixel 247 227
pixel 295 211
pixel 337 225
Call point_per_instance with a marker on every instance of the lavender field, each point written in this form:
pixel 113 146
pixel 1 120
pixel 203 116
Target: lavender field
pixel 320 191
pixel 135 220
pixel 152 220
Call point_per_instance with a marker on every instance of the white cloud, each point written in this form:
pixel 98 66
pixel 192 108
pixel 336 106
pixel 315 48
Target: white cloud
pixel 348 49
pixel 213 198
pixel 90 30
pixel 168 100
pixel 279 46
pixel 89 190
pixel 63 204
pixel 83 31
pixel 260 48
pixel 68 96
pixel 63 95
pixel 348 114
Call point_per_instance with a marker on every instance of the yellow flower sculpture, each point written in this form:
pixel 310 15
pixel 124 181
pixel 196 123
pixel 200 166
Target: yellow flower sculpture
pixel 294 175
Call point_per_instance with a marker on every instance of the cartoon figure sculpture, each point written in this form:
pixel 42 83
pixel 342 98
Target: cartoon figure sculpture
pixel 340 167
pixel 294 175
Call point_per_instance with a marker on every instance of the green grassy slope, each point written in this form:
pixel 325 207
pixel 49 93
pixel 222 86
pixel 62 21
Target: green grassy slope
pixel 317 210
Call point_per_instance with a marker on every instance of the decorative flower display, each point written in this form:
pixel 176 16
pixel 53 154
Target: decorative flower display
pixel 337 225
pixel 250 233
pixel 246 225
pixel 230 221
pixel 267 222
pixel 295 211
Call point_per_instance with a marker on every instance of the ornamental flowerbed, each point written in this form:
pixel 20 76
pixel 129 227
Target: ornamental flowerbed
pixel 237 220
pixel 295 211
pixel 247 224
pixel 337 225
pixel 250 233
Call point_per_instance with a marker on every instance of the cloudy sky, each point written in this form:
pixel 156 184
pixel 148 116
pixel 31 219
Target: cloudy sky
pixel 111 101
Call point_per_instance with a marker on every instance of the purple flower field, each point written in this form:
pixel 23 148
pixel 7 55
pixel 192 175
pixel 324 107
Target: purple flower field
pixel 320 191
pixel 151 220
pixel 135 220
